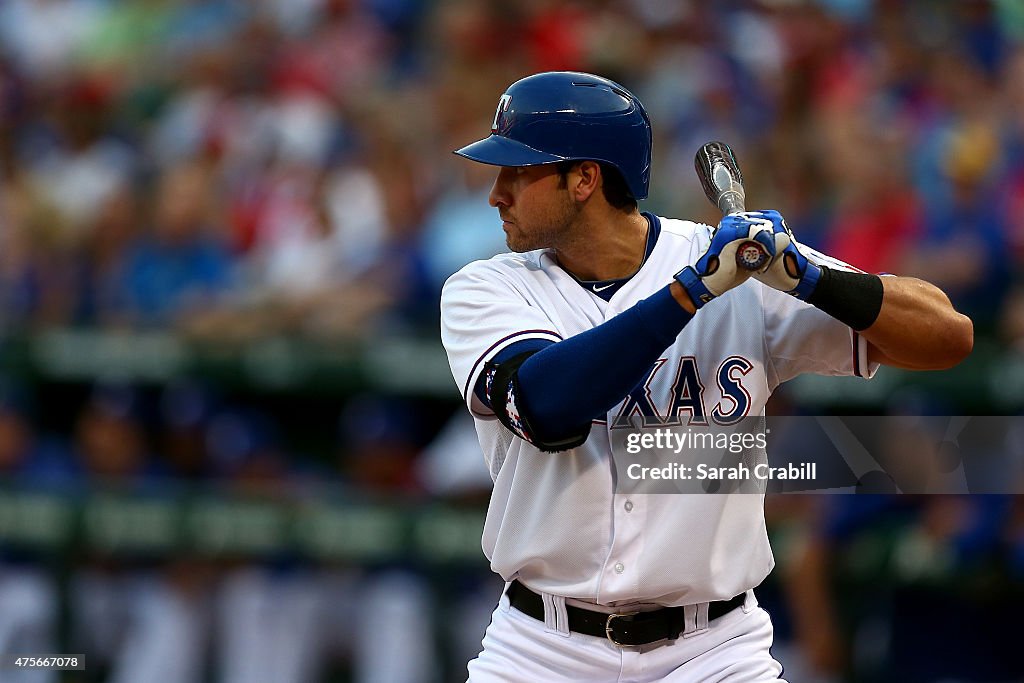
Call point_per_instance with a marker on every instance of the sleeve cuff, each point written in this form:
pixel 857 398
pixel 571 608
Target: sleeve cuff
pixel 476 407
pixel 861 366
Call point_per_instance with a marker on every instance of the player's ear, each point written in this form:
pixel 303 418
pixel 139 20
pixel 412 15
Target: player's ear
pixel 587 180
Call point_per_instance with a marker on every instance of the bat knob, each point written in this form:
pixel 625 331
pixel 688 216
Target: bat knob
pixel 751 256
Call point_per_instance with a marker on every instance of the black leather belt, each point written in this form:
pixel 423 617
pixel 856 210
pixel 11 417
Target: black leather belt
pixel 622 629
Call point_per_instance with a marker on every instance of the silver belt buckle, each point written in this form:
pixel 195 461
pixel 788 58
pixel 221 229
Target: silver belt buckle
pixel 608 628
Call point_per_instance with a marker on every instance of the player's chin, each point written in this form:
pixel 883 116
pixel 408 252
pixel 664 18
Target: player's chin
pixel 521 241
pixel 516 243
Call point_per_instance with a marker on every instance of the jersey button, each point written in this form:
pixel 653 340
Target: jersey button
pixel 619 567
pixel 628 505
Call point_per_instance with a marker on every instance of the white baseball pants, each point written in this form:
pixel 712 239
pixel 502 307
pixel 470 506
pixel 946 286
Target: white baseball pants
pixel 520 649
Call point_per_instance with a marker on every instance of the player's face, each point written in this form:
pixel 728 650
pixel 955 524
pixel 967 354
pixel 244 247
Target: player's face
pixel 535 207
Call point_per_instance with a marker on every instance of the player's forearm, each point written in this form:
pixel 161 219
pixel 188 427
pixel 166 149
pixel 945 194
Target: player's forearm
pixel 582 377
pixel 917 327
pixel 908 323
pixel 682 298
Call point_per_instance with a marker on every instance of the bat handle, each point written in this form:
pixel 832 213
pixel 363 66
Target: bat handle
pixel 731 201
pixel 750 255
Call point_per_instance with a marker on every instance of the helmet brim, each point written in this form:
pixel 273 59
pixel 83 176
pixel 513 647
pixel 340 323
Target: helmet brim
pixel 501 151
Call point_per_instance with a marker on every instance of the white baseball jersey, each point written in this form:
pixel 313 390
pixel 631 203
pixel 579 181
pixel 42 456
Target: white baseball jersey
pixel 555 520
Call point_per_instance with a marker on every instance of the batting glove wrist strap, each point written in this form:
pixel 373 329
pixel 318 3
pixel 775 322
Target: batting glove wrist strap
pixel 851 298
pixel 790 271
pixel 694 286
pixel 808 283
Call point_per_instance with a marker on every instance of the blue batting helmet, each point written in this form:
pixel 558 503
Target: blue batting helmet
pixel 569 116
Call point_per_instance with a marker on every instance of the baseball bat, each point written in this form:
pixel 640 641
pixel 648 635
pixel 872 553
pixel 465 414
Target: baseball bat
pixel 720 176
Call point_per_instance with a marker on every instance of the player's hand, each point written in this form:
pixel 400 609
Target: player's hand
pixel 716 271
pixel 790 271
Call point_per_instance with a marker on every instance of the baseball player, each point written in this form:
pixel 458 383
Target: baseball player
pixel 605 317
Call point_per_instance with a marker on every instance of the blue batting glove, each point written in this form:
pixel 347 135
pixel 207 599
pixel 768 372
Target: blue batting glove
pixel 716 271
pixel 790 271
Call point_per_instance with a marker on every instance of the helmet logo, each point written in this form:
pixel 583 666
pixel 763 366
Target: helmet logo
pixel 503 104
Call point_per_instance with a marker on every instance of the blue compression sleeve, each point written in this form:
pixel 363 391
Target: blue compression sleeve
pixel 569 383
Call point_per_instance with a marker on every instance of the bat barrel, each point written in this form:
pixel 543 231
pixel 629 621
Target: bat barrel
pixel 720 176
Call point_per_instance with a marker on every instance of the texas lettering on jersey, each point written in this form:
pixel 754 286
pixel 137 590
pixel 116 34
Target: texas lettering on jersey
pixel 686 397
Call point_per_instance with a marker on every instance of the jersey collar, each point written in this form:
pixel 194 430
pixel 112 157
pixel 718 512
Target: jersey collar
pixel 606 289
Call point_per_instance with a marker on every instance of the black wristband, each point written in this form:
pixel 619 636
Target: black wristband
pixel 851 298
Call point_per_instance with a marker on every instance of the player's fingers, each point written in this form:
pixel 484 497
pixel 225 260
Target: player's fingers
pixel 781 242
pixel 737 227
pixel 739 221
pixel 766 238
pixel 727 276
pixel 770 215
pixel 728 252
pixel 735 275
pixel 757 225
pixel 761 233
pixel 728 226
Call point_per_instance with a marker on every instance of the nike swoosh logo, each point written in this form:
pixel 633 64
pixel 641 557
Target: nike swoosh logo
pixel 601 289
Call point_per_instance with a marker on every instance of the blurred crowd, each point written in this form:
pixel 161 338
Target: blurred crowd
pixel 234 168
pixel 229 170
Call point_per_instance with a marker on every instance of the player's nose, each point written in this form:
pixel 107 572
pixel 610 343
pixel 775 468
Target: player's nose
pixel 499 195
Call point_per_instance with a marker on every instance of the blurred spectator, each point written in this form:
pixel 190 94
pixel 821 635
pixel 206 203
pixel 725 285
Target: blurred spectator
pixel 99 272
pixel 183 263
pixel 962 247
pixel 74 157
pixel 245 451
pixel 110 438
pixel 379 442
pixel 27 457
pixel 462 227
pixel 306 268
pixel 43 37
pixel 186 407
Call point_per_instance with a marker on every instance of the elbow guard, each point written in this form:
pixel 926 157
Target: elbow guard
pixel 503 394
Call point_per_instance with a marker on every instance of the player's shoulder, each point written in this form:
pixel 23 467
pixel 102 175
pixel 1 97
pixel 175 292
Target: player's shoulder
pixel 501 265
pixel 684 229
pixel 501 269
pixel 686 232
